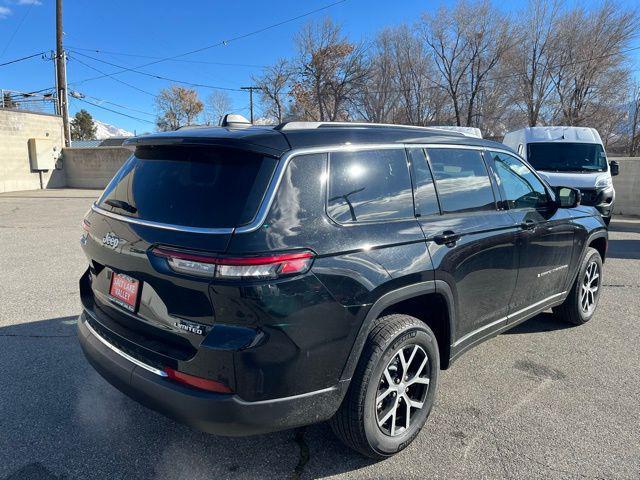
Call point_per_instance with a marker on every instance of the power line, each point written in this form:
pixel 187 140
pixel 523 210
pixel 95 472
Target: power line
pixel 114 111
pixel 203 62
pixel 109 76
pixel 102 100
pixel 24 17
pixel 221 43
pixel 23 58
pixel 153 75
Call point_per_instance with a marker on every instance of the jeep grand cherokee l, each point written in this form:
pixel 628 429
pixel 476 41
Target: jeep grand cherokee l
pixel 247 280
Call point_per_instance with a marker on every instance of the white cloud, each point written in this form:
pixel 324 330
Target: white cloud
pixel 29 2
pixel 4 12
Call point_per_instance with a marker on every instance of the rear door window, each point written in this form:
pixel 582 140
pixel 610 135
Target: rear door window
pixel 368 186
pixel 204 187
pixel 462 180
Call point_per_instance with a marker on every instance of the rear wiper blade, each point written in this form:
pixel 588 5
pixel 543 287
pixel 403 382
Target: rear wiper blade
pixel 121 204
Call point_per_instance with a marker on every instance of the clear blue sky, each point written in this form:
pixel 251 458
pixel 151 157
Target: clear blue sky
pixel 162 28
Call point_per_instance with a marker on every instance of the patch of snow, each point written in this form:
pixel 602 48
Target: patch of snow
pixel 104 130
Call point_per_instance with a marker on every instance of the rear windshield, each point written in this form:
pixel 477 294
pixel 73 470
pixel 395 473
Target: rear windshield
pixel 567 157
pixel 205 187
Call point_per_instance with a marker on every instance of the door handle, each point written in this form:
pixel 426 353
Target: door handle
pixel 448 238
pixel 528 225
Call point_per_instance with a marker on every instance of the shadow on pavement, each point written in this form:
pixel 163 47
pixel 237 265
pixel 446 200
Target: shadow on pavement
pixel 60 419
pixel 628 227
pixel 545 322
pixel 625 248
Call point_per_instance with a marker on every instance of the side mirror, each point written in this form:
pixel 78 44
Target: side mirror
pixel 568 197
pixel 615 168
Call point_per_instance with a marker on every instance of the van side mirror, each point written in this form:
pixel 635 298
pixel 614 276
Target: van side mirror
pixel 615 168
pixel 568 197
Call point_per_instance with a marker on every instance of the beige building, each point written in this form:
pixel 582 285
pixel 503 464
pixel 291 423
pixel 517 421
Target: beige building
pixel 21 132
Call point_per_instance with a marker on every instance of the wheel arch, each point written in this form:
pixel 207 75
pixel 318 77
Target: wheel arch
pixel 599 241
pixel 407 300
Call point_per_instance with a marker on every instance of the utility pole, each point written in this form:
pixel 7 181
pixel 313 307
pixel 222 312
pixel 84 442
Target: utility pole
pixel 61 72
pixel 251 89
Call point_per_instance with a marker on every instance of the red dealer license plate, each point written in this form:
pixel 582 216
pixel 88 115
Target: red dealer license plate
pixel 124 290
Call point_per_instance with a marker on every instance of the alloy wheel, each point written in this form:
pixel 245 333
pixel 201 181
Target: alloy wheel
pixel 402 389
pixel 589 288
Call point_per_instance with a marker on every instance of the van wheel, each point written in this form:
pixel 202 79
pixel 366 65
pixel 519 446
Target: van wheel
pixel 392 390
pixel 581 303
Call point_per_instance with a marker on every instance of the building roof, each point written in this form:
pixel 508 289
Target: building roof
pixel 295 135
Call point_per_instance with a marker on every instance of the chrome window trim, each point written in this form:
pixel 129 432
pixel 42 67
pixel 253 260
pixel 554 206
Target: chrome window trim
pixel 164 226
pixel 276 179
pixel 124 355
pixel 288 156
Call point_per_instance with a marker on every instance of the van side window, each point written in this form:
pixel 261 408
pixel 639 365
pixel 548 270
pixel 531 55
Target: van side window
pixel 462 180
pixel 424 189
pixel 520 187
pixel 366 186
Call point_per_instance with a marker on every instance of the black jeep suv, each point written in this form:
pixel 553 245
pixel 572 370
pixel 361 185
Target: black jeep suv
pixel 246 280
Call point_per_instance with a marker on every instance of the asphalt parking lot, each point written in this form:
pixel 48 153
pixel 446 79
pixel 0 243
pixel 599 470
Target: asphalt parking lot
pixel 543 400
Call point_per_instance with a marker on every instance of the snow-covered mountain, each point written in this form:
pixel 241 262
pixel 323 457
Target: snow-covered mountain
pixel 104 130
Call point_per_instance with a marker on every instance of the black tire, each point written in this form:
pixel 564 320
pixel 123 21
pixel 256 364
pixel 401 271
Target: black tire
pixel 572 309
pixel 356 421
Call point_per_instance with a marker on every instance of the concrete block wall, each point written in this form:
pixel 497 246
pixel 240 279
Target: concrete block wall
pixel 92 167
pixel 16 128
pixel 627 185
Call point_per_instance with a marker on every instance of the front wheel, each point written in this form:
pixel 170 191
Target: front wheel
pixel 392 390
pixel 580 305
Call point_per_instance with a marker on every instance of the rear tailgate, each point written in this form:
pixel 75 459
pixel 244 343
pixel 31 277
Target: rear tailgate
pixel 185 197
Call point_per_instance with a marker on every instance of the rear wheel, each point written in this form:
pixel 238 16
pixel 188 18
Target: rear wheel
pixel 582 301
pixel 392 390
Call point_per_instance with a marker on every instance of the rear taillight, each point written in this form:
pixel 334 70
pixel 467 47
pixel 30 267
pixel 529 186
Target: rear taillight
pixel 234 268
pixel 197 382
pixel 86 225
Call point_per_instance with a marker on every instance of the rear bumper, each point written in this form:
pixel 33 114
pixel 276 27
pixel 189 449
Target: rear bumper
pixel 221 414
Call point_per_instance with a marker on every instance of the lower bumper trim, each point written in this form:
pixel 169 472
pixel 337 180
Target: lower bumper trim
pixel 217 413
pixel 125 355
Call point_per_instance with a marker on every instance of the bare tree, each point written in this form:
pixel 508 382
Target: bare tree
pixel 634 131
pixel 421 98
pixel 377 100
pixel 590 75
pixel 218 105
pixel 275 83
pixel 467 43
pixel 330 71
pixel 531 58
pixel 177 107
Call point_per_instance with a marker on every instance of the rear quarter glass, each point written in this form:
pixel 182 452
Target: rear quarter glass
pixel 191 186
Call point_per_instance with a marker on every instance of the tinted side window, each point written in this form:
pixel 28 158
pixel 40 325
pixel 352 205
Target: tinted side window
pixel 521 188
pixel 424 190
pixel 369 186
pixel 462 180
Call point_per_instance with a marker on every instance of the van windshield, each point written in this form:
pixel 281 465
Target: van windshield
pixel 193 186
pixel 567 157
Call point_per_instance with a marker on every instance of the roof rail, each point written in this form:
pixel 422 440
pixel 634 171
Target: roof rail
pixel 313 125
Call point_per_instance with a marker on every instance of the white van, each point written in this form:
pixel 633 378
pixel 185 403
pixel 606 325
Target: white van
pixel 569 157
